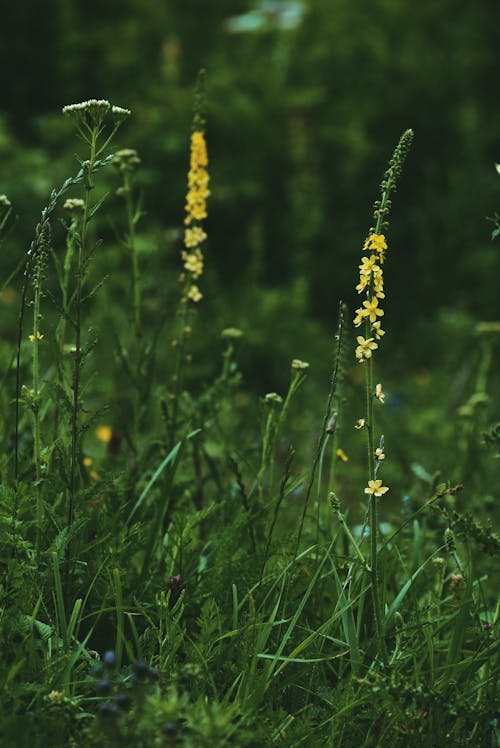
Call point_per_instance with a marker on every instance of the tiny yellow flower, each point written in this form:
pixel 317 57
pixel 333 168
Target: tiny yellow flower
pixel 104 434
pixel 372 310
pixel 364 280
pixel 342 455
pixel 358 319
pixel 379 394
pixel 377 330
pixel 95 475
pixel 379 454
pixel 365 348
pixel 368 265
pixel 87 461
pixel 193 237
pixel 39 336
pixel 194 294
pixel 377 243
pixel 376 488
pixel 360 423
pixel 299 365
pixel 56 697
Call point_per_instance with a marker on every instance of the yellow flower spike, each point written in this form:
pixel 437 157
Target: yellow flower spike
pixel 379 394
pixel 198 179
pixel 372 310
pixel 342 455
pixel 376 488
pixel 365 348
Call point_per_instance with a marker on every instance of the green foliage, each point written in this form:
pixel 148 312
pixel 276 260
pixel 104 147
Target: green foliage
pixel 182 561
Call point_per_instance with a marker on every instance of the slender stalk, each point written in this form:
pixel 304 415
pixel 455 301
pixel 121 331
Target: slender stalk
pixel 131 221
pixel 88 182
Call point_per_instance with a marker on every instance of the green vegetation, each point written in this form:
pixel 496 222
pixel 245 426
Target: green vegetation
pixel 235 509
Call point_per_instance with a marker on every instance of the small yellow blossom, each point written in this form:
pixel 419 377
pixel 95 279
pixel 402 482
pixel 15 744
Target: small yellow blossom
pixel 195 294
pixel 376 488
pixel 95 475
pixel 379 394
pixel 342 455
pixel 39 336
pixel 372 310
pixel 368 265
pixel 358 319
pixel 377 243
pixel 360 423
pixel 365 348
pixel 364 280
pixel 194 236
pixel 379 454
pixel 193 262
pixel 87 461
pixel 104 434
pixel 377 330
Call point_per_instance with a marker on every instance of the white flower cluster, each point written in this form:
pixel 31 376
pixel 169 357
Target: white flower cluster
pixel 92 106
pixel 96 109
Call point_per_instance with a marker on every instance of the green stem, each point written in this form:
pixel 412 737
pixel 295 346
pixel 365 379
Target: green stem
pixel 136 289
pixel 36 419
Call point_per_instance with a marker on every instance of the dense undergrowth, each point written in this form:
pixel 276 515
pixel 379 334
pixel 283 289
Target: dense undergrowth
pixel 182 565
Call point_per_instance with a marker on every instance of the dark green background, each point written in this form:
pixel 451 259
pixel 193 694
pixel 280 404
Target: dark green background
pixel 300 125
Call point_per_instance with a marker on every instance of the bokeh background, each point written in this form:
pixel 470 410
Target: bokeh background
pixel 304 104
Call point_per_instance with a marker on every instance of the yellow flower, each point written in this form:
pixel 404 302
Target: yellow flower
pixel 358 319
pixel 363 282
pixel 377 243
pixel 87 461
pixel 39 336
pixel 377 330
pixel 376 488
pixel 365 348
pixel 193 262
pixel 104 434
pixel 379 393
pixel 194 236
pixel 372 310
pixel 195 294
pixel 360 423
pixel 379 454
pixel 342 455
pixel 368 265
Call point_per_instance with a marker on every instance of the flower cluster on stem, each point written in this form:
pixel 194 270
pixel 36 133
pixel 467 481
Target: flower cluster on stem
pixel 196 212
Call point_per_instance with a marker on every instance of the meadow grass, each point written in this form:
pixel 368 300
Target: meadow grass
pixel 177 579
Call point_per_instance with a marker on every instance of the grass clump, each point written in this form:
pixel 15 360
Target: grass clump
pixel 174 575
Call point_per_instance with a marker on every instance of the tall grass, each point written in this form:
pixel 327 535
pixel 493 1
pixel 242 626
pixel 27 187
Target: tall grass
pixel 193 577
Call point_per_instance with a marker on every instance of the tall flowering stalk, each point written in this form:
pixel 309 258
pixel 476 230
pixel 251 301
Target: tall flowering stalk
pixel 192 254
pixel 368 316
pixel 96 122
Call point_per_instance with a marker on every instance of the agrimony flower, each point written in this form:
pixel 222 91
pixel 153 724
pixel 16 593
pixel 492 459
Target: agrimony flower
pixel 365 348
pixel 376 488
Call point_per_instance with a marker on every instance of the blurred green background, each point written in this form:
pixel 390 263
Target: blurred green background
pixel 305 102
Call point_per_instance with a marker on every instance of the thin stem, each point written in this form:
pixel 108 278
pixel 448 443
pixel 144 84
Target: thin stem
pixel 36 418
pixel 136 289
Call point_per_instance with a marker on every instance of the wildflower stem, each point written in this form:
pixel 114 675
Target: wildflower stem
pixel 36 417
pixel 88 184
pixel 131 221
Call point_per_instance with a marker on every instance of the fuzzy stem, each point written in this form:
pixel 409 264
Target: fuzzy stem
pixel 136 288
